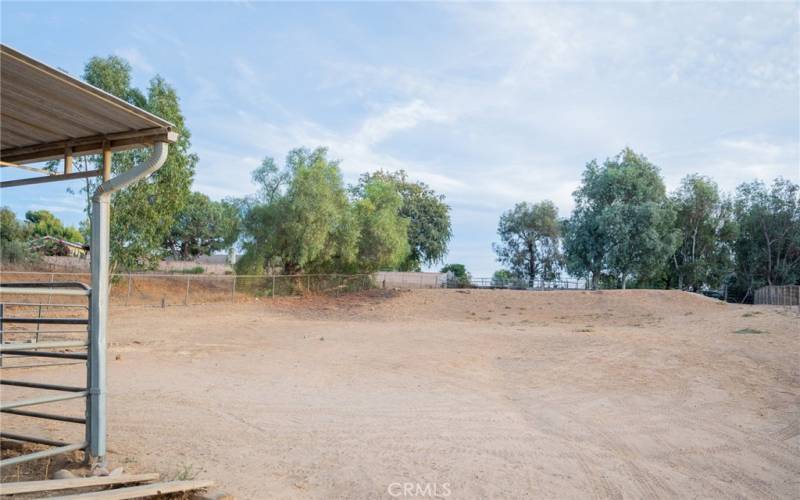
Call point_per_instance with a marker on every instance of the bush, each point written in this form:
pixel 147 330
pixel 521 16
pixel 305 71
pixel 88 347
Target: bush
pixel 192 270
pixel 16 252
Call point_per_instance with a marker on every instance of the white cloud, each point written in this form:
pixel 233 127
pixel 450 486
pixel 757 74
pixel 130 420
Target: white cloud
pixel 135 57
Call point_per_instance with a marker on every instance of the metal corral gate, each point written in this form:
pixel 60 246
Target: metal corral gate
pixel 19 343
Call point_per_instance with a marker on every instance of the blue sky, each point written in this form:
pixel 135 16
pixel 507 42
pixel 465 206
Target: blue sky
pixel 491 104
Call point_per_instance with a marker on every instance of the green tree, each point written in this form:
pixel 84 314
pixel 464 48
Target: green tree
pixel 203 227
pixel 308 226
pixel 10 228
pixel 460 274
pixel 429 228
pixel 622 223
pixel 505 278
pixel 529 240
pixel 383 232
pixel 502 277
pixel 704 219
pixel 767 248
pixel 142 214
pixel 13 236
pixel 44 223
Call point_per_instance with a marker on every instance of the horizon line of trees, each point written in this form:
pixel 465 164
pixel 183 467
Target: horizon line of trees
pixel 626 230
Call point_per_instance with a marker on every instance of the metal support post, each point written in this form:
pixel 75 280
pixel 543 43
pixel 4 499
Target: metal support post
pixel 98 321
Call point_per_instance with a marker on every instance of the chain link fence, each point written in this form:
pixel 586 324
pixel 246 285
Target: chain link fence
pixel 187 289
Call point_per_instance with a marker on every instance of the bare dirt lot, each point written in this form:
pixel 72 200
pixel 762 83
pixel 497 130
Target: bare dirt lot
pixel 479 394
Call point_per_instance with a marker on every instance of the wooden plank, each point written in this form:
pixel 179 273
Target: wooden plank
pixel 26 167
pixel 50 178
pixel 144 490
pixel 68 484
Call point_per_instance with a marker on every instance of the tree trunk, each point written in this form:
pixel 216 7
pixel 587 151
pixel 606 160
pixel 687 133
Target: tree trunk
pixel 531 264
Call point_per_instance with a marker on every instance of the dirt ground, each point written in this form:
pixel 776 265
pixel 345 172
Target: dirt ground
pixel 462 394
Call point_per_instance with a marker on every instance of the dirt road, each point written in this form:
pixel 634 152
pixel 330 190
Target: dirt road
pixel 487 394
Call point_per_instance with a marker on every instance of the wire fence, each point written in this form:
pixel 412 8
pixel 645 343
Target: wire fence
pixel 189 289
pixel 520 284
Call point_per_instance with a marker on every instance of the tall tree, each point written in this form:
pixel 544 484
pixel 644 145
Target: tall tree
pixel 622 223
pixel 429 229
pixel 308 226
pixel 529 240
pixel 768 245
pixel 704 219
pixel 203 227
pixel 141 214
pixel 383 232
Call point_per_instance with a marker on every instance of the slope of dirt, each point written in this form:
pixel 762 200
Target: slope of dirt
pixel 495 394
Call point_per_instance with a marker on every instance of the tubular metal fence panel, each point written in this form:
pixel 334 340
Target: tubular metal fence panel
pixel 37 332
pixel 518 284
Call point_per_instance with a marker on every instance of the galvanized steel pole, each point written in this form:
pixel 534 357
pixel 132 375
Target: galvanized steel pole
pixel 98 310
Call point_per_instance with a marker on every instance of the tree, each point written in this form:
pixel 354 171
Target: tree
pixel 10 227
pixel 460 274
pixel 767 248
pixel 704 219
pixel 142 214
pixel 44 223
pixel 383 239
pixel 429 229
pixel 529 240
pixel 305 226
pixel 502 277
pixel 203 227
pixel 13 235
pixel 622 223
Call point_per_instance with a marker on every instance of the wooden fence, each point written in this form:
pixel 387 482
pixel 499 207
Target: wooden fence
pixel 782 295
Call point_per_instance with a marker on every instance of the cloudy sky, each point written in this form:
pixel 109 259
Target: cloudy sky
pixel 491 104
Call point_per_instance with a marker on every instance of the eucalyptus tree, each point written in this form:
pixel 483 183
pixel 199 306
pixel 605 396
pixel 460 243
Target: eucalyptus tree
pixel 142 214
pixel 704 220
pixel 767 248
pixel 529 240
pixel 622 224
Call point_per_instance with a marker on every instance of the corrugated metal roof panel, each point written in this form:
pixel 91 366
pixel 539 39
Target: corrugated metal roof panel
pixel 43 111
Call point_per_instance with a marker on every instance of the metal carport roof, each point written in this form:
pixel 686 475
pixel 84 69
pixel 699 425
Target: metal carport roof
pixel 46 113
